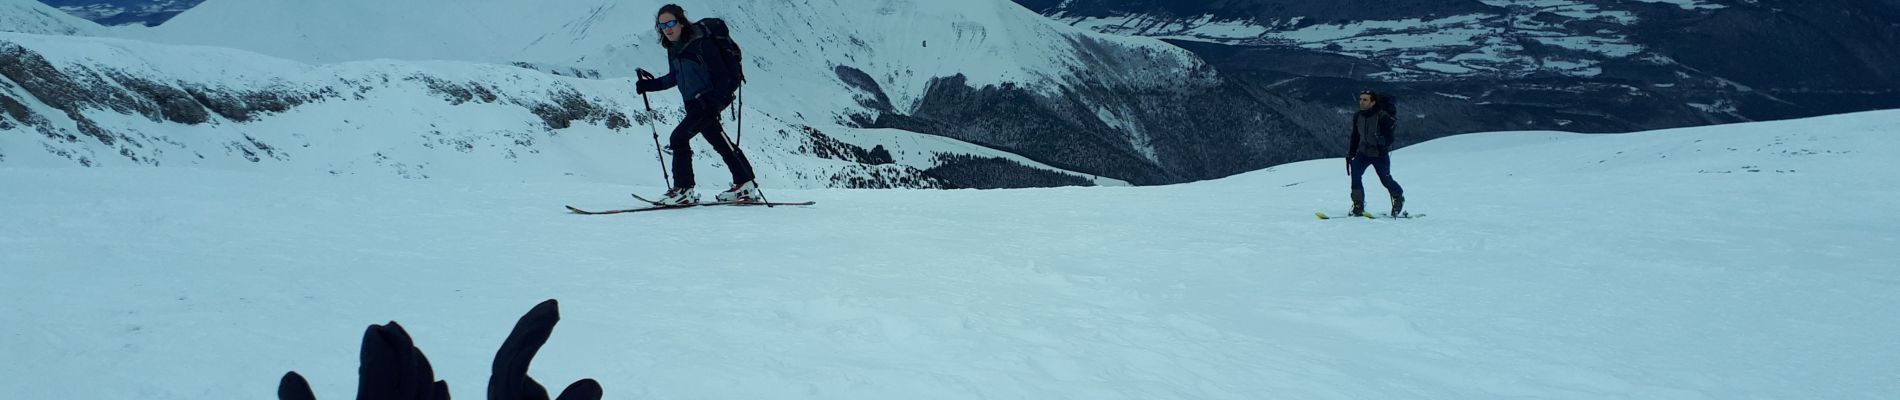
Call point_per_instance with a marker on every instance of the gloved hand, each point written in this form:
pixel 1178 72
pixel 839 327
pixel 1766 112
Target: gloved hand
pixel 510 380
pixel 393 368
pixel 646 83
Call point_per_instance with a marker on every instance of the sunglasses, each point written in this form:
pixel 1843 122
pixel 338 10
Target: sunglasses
pixel 667 24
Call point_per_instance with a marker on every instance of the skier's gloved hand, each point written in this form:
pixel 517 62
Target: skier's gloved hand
pixel 646 83
pixel 509 378
pixel 394 368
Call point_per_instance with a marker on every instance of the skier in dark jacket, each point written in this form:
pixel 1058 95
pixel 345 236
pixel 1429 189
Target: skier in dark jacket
pixel 707 83
pixel 1371 146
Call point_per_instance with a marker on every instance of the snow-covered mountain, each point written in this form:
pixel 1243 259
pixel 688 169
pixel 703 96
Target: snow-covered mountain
pixel 31 16
pixel 810 87
pixel 1731 262
pixel 1274 87
pixel 990 42
pixel 1575 65
pixel 986 72
pixel 1128 107
pixel 114 102
pixel 124 12
pixel 1415 41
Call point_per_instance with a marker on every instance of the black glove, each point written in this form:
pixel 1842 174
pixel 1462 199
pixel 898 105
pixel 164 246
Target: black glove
pixel 393 368
pixel 646 83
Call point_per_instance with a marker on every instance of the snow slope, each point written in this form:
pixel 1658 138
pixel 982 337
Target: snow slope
pixel 1738 261
pixel 31 16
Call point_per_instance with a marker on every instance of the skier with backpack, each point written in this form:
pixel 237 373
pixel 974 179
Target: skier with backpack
pixel 1371 146
pixel 703 62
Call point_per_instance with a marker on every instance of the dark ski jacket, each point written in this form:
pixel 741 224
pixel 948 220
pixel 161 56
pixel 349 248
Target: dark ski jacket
pixel 695 67
pixel 1371 133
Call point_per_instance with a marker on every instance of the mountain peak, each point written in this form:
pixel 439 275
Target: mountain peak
pixel 124 12
pixel 29 16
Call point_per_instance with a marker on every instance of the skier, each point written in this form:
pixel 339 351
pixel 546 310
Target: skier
pixel 1370 147
pixel 703 63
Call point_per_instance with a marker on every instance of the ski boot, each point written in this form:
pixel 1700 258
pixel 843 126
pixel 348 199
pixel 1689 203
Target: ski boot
pixel 742 192
pixel 1398 205
pixel 1358 203
pixel 678 197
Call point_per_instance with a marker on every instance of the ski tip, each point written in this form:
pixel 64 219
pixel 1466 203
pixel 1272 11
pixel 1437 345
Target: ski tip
pixel 1322 215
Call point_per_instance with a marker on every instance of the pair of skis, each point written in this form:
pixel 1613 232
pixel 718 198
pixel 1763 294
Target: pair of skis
pixel 655 206
pixel 1403 215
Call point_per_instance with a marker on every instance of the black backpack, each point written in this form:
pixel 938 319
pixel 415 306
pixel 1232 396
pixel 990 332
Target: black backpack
pixel 721 36
pixel 1388 102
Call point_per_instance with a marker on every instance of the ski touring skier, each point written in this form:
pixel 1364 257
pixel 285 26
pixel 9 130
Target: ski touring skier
pixel 703 63
pixel 1371 146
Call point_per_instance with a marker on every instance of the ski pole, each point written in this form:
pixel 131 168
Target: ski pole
pixel 740 119
pixel 657 156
